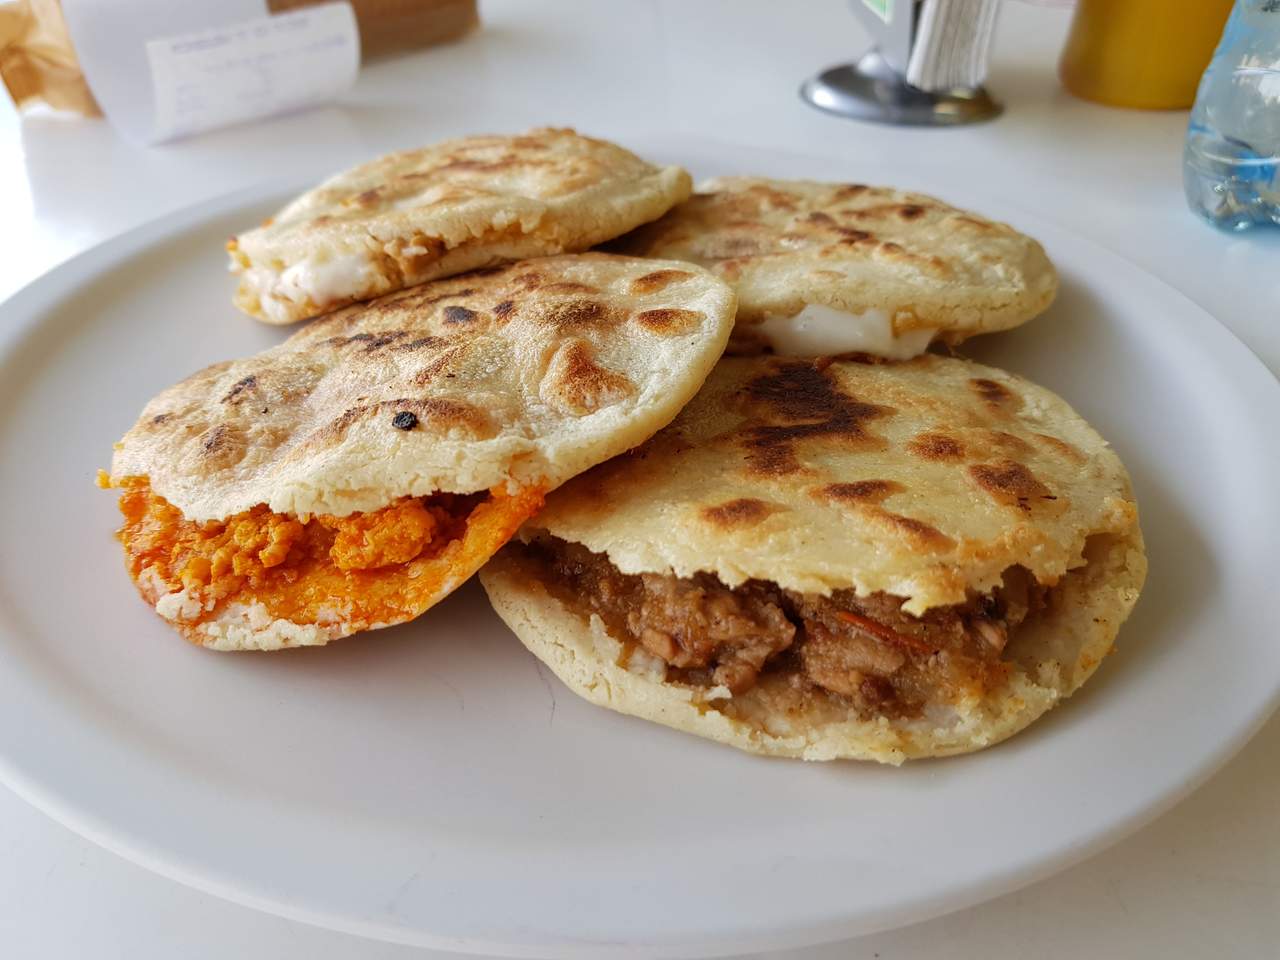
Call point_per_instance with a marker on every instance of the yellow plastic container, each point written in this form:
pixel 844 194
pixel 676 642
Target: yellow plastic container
pixel 1147 54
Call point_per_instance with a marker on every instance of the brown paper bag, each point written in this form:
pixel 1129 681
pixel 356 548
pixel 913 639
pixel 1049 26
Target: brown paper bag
pixel 37 62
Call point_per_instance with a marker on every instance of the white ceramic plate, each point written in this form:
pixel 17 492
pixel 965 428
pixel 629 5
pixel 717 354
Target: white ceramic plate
pixel 432 784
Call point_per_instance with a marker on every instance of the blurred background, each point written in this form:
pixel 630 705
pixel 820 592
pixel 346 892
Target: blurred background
pixel 724 70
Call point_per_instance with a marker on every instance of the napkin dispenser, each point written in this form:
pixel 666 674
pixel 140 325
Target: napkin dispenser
pixel 925 67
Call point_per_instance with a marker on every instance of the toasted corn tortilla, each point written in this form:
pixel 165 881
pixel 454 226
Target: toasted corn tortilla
pixel 423 214
pixel 925 480
pixel 525 375
pixel 830 268
pixel 500 384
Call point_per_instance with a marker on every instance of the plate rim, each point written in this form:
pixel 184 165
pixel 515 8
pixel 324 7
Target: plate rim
pixel 34 299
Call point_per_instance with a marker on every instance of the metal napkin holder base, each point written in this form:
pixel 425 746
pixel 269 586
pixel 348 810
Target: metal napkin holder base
pixel 871 89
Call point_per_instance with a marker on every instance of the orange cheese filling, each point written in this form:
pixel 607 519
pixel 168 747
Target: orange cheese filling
pixel 354 572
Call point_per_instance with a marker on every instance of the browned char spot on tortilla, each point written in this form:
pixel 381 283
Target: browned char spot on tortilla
pixel 214 438
pixel 444 363
pixel 420 343
pixel 798 401
pixel 379 340
pixel 741 512
pixel 455 314
pixel 222 446
pixel 995 395
pixel 1007 443
pixel 865 497
pixel 449 414
pixel 1060 446
pixel 1010 483
pixel 668 320
pixel 425 301
pixel 921 535
pixel 568 286
pixel 860 491
pixel 851 237
pixel 657 280
pixel 936 446
pixel 570 314
pixel 235 395
pixel 579 384
pixel 772 196
pixel 370 342
pixel 436 414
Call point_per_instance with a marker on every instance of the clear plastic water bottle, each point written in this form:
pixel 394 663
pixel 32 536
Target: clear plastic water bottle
pixel 1231 166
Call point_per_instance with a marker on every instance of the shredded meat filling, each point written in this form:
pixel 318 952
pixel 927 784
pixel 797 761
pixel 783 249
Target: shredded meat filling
pixel 713 635
pixel 699 625
pixel 865 649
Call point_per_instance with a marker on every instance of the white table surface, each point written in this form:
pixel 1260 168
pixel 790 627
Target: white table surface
pixel 1203 880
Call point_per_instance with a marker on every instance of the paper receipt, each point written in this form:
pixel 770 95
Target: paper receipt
pixel 251 68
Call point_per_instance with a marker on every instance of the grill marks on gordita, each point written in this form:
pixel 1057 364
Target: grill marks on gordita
pixel 454 314
pixel 797 402
pixel 575 381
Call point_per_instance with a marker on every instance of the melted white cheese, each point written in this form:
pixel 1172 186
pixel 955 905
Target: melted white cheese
pixel 321 282
pixel 822 331
pixel 338 278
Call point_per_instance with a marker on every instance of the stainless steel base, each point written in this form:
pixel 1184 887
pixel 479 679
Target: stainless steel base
pixel 872 90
